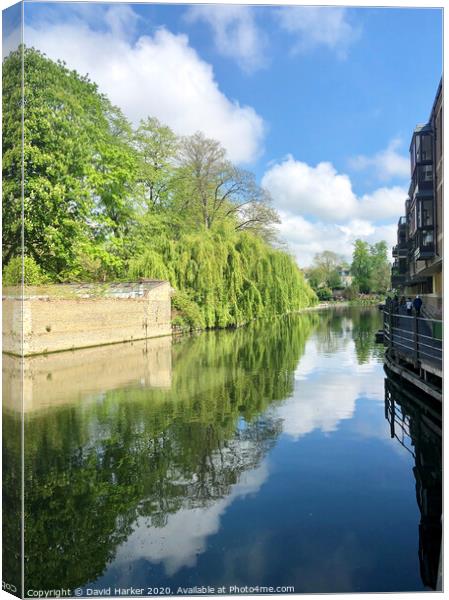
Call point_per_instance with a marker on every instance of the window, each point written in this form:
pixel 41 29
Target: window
pixel 426 147
pixel 425 173
pixel 427 238
pixel 418 148
pixel 426 213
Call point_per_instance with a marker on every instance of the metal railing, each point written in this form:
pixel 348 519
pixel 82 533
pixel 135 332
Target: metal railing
pixel 417 339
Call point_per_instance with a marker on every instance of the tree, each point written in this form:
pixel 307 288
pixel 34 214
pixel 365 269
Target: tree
pixel 78 165
pixel 156 145
pixel 370 267
pixel 325 270
pixel 361 267
pixel 381 273
pixel 214 190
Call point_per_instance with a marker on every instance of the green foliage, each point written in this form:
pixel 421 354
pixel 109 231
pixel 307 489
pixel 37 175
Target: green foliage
pixel 324 294
pixel 351 292
pixel 325 270
pixel 370 267
pixel 79 165
pixel 381 273
pixel 102 203
pixel 230 277
pixel 187 312
pixel 361 267
pixel 32 273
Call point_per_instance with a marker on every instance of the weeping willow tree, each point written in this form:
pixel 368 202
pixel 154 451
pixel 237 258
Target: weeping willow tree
pixel 224 278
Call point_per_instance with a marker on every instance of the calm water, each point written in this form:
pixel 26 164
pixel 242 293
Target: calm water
pixel 256 457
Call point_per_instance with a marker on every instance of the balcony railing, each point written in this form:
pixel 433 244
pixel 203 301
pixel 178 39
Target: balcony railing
pixel 415 339
pixel 424 244
pixel 400 250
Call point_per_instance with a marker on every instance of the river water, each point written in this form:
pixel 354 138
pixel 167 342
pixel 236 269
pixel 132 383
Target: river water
pixel 255 457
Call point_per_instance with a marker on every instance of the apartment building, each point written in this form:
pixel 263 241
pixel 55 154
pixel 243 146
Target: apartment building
pixel 418 254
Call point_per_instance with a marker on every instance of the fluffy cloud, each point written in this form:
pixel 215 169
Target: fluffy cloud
pixel 320 211
pixel 236 34
pixel 159 75
pixel 186 532
pixel 315 26
pixel 387 164
pixel 323 193
pixel 311 191
pixel 306 238
pixel 11 41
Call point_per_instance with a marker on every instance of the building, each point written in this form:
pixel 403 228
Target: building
pixel 418 254
pixel 414 341
pixel 346 277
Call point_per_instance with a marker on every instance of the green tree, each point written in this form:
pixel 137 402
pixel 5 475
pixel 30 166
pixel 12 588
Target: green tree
pixel 157 146
pixel 362 266
pixel 381 270
pixel 214 190
pixel 325 270
pixel 78 165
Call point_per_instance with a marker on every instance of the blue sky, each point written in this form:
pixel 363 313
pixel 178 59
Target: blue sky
pixel 319 102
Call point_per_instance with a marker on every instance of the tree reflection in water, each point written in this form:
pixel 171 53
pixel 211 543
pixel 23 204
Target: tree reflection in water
pixel 92 470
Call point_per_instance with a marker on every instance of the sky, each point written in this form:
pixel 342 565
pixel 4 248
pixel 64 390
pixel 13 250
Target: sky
pixel 319 102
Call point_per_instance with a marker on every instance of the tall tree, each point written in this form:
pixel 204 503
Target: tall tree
pixel 215 190
pixel 380 278
pixel 78 165
pixel 362 266
pixel 156 145
pixel 325 270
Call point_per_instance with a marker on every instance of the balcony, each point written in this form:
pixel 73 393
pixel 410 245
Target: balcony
pixel 400 250
pixel 424 244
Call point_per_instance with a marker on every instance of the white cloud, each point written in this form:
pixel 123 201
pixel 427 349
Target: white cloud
pixel 387 164
pixel 11 41
pixel 320 211
pixel 315 26
pixel 323 396
pixel 235 31
pixel 323 193
pixel 311 191
pixel 306 238
pixel 186 532
pixel 159 75
pixel 383 203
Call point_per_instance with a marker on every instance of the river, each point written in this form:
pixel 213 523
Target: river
pixel 255 457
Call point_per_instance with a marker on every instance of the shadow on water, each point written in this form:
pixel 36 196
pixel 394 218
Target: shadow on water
pixel 415 421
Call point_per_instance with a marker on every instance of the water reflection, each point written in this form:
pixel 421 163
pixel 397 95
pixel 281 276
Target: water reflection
pixel 231 456
pixel 137 463
pixel 415 422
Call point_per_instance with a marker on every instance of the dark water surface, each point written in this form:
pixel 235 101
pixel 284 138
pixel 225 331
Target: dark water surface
pixel 255 457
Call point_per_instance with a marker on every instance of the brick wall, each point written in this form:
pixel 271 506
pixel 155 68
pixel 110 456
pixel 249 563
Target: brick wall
pixel 51 323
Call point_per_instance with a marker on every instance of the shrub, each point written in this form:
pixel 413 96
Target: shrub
pixel 324 294
pixel 32 273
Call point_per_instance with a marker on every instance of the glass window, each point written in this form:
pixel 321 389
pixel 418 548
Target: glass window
pixel 427 238
pixel 426 216
pixel 426 147
pixel 418 148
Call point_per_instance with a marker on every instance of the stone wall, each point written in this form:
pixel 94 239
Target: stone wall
pixel 52 323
